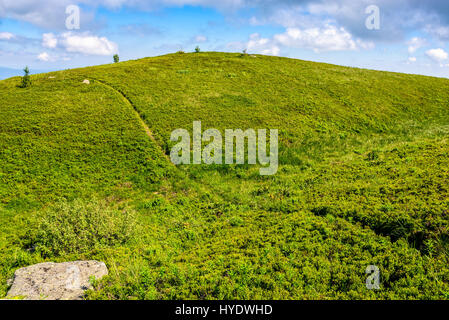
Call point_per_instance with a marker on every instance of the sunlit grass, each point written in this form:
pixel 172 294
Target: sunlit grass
pixel 362 179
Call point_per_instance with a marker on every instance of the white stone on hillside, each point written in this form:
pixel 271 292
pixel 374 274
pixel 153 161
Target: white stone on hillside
pixel 56 281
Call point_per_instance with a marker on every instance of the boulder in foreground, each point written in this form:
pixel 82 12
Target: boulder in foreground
pixel 56 281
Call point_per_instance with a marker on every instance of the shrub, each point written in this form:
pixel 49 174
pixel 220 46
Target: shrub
pixel 26 79
pixel 372 156
pixel 236 221
pixel 81 226
pixel 323 211
pixel 116 58
pixel 197 49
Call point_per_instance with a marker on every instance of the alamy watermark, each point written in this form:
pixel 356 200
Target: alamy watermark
pixel 373 279
pixel 212 153
pixel 73 281
pixel 73 19
pixel 372 22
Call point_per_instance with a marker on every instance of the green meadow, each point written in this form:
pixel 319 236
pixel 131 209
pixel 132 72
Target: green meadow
pixel 363 179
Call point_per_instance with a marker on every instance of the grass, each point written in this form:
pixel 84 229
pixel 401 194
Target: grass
pixel 362 179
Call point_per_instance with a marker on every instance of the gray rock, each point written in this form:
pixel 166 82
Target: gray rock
pixel 56 281
pixel 86 81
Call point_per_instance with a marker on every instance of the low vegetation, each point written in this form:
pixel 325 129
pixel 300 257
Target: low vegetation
pixel 81 227
pixel 363 173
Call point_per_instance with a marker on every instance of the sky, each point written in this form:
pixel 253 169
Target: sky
pixel 410 36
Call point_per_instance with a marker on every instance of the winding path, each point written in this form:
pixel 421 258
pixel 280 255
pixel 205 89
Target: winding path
pixel 136 112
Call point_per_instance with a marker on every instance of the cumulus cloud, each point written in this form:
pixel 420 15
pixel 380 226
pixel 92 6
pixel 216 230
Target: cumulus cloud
pixel 415 44
pixel 329 38
pixel 266 46
pixel 412 59
pixel 87 44
pixel 49 40
pixel 44 56
pixel 6 36
pixel 351 15
pixel 438 55
pixel 83 42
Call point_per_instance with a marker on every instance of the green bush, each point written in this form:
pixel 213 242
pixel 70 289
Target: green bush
pixel 236 221
pixel 82 226
pixel 372 156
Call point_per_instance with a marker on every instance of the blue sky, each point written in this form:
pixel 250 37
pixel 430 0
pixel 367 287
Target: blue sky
pixel 410 36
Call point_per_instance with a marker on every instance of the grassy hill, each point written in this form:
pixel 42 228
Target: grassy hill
pixel 363 179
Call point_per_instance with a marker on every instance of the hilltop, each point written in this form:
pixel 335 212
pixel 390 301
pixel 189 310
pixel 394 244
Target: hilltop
pixel 362 179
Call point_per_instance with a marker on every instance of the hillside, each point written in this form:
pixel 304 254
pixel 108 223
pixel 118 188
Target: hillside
pixel 362 180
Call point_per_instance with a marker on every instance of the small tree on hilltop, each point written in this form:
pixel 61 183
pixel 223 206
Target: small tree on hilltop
pixel 26 79
pixel 116 58
pixel 197 49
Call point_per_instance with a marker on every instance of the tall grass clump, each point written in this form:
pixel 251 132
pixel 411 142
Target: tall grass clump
pixel 79 226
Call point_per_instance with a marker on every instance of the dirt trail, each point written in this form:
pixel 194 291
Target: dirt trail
pixel 136 112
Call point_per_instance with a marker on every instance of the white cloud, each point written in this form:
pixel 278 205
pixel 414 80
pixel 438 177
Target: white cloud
pixel 266 46
pixel 200 38
pixel 329 38
pixel 49 40
pixel 87 44
pixel 43 56
pixel 72 42
pixel 412 59
pixel 415 44
pixel 6 36
pixel 438 55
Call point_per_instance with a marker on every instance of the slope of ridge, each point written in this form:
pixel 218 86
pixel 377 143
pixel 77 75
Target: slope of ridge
pixel 62 133
pixel 362 179
pixel 311 103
